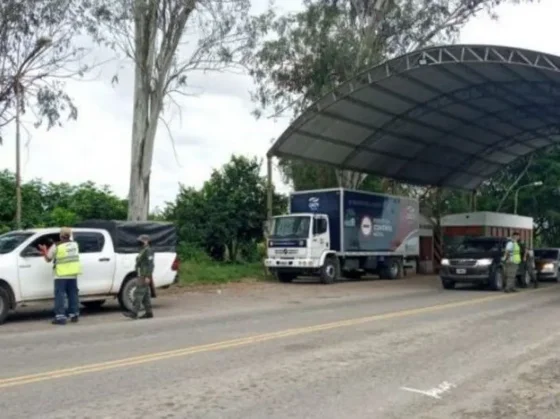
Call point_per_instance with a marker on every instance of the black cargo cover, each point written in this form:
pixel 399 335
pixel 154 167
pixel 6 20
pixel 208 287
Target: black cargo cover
pixel 163 236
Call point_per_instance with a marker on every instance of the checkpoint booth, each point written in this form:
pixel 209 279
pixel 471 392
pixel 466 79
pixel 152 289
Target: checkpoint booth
pixel 455 227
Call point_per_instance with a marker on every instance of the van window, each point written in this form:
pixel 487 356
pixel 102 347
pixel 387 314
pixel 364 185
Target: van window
pixel 90 242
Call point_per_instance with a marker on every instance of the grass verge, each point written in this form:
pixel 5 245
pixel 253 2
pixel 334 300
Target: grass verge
pixel 196 273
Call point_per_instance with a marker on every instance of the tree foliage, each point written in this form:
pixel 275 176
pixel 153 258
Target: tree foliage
pixel 226 216
pixel 39 51
pixel 309 53
pixel 56 204
pixel 167 40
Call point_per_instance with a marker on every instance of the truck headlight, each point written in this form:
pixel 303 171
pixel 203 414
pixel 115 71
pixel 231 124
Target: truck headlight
pixel 484 262
pixel 445 262
pixel 302 243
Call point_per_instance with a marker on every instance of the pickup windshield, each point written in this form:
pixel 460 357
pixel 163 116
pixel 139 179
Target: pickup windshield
pixel 546 254
pixel 293 227
pixel 477 246
pixel 9 241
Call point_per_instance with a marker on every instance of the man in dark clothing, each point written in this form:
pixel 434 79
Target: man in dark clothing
pixel 144 270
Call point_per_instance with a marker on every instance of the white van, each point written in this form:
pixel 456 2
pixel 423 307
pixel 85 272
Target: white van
pixel 108 251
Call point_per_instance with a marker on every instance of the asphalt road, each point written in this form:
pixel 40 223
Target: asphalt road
pixel 371 349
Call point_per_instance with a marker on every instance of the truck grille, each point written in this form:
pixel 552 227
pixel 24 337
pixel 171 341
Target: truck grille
pixel 462 262
pixel 283 252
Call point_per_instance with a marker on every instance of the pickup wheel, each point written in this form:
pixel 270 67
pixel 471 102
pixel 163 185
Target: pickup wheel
pixel 93 305
pixel 126 296
pixel 330 271
pixel 4 304
pixel 497 280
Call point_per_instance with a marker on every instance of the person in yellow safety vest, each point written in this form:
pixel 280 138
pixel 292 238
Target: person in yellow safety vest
pixel 66 268
pixel 512 259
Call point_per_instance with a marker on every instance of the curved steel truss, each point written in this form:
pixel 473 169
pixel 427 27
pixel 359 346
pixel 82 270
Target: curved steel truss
pixel 443 116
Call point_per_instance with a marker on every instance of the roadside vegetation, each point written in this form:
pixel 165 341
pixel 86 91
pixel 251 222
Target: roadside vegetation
pixel 293 59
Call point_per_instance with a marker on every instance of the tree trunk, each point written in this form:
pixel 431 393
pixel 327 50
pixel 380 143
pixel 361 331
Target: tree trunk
pixel 147 106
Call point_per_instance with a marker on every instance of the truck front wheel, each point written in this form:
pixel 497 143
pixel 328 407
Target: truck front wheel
pixel 330 271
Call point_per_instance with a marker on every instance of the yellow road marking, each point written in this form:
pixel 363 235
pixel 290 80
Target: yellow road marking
pixel 229 344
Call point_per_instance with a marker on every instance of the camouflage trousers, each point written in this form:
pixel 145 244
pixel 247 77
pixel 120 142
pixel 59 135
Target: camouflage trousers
pixel 142 296
pixel 511 274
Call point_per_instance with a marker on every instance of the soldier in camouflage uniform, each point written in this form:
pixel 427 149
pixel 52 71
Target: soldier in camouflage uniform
pixel 144 270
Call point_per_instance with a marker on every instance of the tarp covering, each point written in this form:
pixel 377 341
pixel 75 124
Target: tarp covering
pixel 450 116
pixel 163 236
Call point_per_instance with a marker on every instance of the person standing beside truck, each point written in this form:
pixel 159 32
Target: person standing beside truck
pixel 65 257
pixel 512 259
pixel 144 271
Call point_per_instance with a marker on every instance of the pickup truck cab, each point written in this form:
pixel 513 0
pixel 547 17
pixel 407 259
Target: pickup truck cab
pixel 26 278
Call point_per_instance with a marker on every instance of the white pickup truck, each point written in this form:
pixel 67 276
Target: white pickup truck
pixel 107 255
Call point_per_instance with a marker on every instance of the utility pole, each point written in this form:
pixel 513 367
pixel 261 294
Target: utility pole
pixel 17 91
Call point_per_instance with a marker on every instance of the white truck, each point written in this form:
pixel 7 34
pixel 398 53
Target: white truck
pixel 108 251
pixel 334 233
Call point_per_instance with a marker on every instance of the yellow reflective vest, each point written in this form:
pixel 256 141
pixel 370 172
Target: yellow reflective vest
pixel 516 257
pixel 67 260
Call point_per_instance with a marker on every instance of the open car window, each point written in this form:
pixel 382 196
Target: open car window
pixel 46 239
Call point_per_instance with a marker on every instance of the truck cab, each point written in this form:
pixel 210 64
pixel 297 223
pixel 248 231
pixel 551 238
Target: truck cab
pixel 298 244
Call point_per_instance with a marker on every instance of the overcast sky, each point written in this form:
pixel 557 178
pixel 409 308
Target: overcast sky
pixel 215 124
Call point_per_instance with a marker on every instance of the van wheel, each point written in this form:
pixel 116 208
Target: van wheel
pixel 4 304
pixel 126 296
pixel 497 281
pixel 330 271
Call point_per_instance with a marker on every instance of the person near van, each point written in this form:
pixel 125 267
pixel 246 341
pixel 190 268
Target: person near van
pixel 65 257
pixel 512 259
pixel 144 271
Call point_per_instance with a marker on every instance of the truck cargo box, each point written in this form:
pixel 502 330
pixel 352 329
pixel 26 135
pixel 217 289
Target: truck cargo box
pixel 163 235
pixel 364 222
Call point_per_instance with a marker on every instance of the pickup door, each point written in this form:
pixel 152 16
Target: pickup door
pixel 98 262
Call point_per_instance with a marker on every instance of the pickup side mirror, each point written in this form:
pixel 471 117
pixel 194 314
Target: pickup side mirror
pixel 30 252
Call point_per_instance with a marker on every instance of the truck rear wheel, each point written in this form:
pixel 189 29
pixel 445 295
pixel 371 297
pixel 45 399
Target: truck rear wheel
pixel 392 270
pixel 4 304
pixel 330 271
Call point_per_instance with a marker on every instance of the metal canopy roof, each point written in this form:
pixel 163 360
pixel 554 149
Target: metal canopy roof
pixel 448 116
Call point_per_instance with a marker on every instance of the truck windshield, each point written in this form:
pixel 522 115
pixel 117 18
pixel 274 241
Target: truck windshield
pixel 469 246
pixel 546 254
pixel 296 227
pixel 9 241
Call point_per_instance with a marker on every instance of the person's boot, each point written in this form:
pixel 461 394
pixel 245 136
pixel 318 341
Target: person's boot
pixel 131 315
pixel 147 316
pixel 74 319
pixel 59 321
